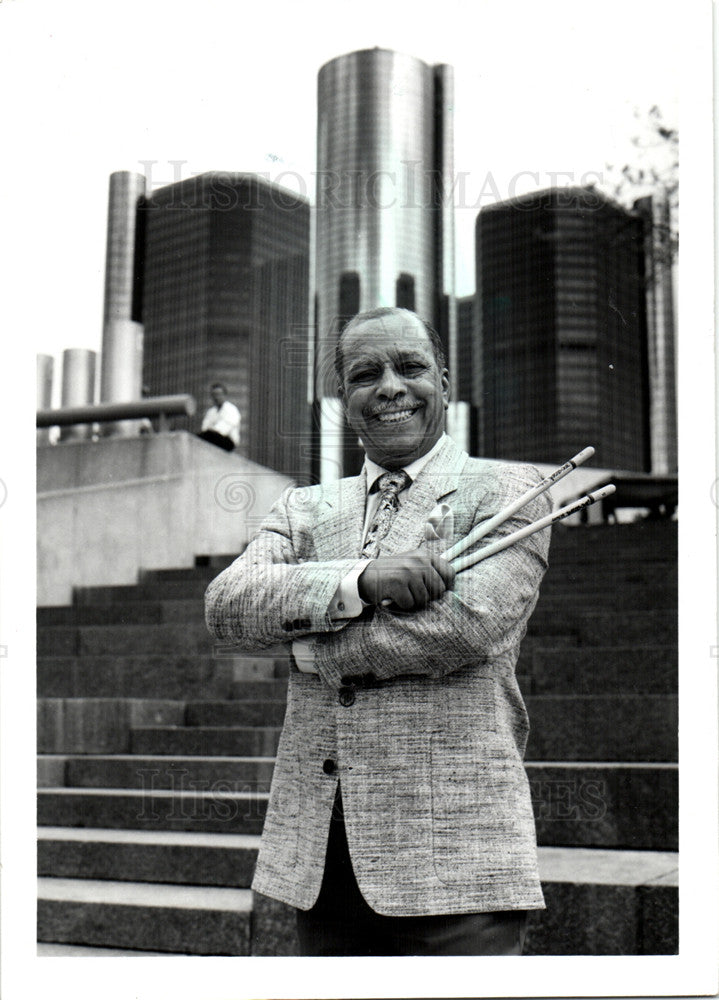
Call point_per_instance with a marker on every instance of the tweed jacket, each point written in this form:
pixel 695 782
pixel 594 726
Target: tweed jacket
pixel 430 754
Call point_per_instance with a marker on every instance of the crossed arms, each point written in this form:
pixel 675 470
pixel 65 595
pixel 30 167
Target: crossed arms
pixel 274 593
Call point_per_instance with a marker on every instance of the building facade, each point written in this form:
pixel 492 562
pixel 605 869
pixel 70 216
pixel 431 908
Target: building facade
pixel 661 346
pixel 226 298
pixel 122 333
pixel 562 330
pixel 385 224
pixel 462 386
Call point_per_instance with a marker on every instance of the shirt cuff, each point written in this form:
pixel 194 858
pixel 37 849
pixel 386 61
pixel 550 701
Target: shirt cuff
pixel 303 650
pixel 347 602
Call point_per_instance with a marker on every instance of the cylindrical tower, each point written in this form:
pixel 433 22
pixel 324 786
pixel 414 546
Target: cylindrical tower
pixel 384 232
pixel 458 415
pixel 121 365
pixel 78 387
pixel 661 347
pixel 45 366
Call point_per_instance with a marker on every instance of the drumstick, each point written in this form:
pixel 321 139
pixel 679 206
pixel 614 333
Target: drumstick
pixel 486 526
pixel 502 543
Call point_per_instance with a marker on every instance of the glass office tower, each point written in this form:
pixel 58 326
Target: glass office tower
pixel 561 307
pixel 385 225
pixel 226 298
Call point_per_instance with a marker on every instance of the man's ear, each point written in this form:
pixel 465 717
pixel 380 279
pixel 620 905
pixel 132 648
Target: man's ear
pixel 446 387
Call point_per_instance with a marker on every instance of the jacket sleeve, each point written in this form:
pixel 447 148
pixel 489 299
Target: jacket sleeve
pixel 485 615
pixel 267 595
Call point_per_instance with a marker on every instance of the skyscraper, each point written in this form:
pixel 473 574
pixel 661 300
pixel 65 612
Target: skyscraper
pixel 562 330
pixel 655 211
pixel 462 385
pixel 122 334
pixel 385 225
pixel 226 298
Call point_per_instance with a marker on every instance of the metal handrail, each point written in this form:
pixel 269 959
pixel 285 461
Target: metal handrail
pixel 156 406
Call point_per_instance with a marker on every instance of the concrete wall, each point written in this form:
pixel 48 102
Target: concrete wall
pixel 108 508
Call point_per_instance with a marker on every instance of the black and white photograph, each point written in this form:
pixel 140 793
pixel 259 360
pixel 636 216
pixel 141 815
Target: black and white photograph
pixel 349 607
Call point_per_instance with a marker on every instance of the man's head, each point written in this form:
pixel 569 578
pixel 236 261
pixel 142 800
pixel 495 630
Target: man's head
pixel 393 383
pixel 218 393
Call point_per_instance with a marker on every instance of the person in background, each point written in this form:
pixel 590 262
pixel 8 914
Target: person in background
pixel 221 423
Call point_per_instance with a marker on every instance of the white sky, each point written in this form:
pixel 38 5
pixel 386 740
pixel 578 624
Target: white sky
pixel 540 87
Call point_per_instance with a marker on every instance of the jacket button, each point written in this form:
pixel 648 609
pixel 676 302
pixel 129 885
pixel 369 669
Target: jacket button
pixel 347 697
pixel 329 766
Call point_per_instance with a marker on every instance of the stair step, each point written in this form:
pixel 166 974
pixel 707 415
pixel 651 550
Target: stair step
pixel 602 628
pixel 217 562
pixel 87 951
pixel 169 856
pixel 593 866
pixel 127 613
pixel 190 589
pixel 260 690
pixel 624 567
pixel 131 613
pixel 236 713
pixel 179 856
pixel 648 537
pixel 532 643
pixel 159 747
pixel 124 640
pixel 554 599
pixel 603 727
pixel 206 741
pixel 166 918
pixel 229 774
pixel 610 557
pixel 625 806
pixel 601 670
pixel 99 725
pixel 622 903
pixel 627 899
pixel 214 811
pixel 173 676
pixel 198 573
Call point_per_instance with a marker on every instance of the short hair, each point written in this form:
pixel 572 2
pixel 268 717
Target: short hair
pixel 379 313
pixel 219 385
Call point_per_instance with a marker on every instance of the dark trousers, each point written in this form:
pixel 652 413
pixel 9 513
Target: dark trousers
pixel 342 923
pixel 219 439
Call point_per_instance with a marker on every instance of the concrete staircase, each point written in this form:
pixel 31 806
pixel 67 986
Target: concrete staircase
pixel 156 754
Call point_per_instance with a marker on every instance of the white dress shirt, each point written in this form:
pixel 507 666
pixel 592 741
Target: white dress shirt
pixel 225 420
pixel 346 602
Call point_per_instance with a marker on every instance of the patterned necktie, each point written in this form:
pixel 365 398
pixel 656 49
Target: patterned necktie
pixel 390 486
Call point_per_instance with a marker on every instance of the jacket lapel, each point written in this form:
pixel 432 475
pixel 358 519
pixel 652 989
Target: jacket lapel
pixel 340 519
pixel 437 481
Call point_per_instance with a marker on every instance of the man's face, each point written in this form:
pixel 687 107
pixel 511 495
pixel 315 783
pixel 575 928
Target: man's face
pixel 393 391
pixel 217 394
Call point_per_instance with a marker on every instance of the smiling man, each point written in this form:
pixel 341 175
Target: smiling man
pixel 400 820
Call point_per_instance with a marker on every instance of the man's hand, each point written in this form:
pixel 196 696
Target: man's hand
pixel 410 580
